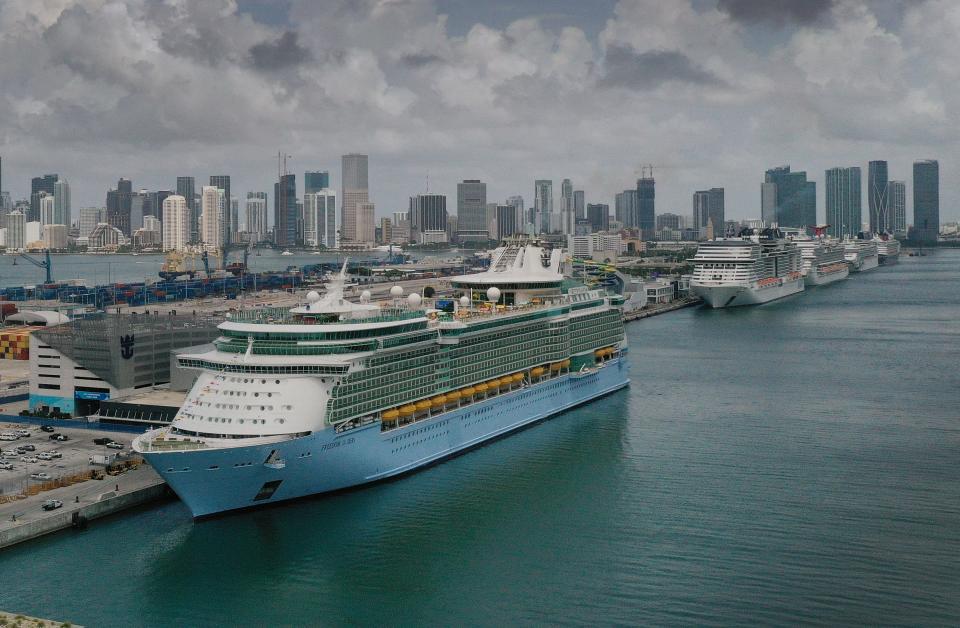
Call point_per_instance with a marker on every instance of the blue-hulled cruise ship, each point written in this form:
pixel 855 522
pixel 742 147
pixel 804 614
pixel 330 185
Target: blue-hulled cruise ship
pixel 333 394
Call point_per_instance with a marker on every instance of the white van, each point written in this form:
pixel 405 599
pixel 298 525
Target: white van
pixel 23 433
pixel 8 436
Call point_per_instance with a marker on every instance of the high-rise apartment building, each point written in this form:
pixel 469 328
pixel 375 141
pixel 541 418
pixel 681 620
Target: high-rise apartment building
pixel 524 225
pixel 708 212
pixel 366 224
pixel 256 216
pixel 212 210
pixel 186 187
pixel 222 181
pixel 507 224
pixel 176 223
pixel 926 200
pixel 354 190
pixel 61 201
pixel 897 201
pixel 16 225
pixel 794 202
pixel 285 211
pixel 90 217
pixel 543 205
pixel 38 185
pixel 880 220
pixel 598 215
pixel 579 205
pixel 668 220
pixel 646 206
pixel 320 218
pixel 472 224
pixel 47 209
pixel 428 212
pixel 568 216
pixel 843 202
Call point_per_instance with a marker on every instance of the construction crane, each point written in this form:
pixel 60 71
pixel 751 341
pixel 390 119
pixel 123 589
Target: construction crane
pixel 45 264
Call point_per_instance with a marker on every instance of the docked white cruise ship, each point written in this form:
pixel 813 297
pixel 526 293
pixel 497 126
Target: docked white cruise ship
pixel 888 249
pixel 823 258
pixel 333 394
pixel 756 267
pixel 861 253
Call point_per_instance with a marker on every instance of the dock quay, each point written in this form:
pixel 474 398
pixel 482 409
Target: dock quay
pixel 661 309
pixel 83 499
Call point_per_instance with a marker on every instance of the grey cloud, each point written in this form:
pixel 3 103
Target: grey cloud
pixel 420 59
pixel 625 67
pixel 777 12
pixel 283 53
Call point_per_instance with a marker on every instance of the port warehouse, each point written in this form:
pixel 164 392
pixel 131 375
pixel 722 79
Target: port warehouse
pixel 77 365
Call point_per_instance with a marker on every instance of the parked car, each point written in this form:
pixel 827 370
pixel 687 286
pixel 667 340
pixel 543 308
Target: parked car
pixel 27 447
pixel 29 459
pixel 44 456
pixel 23 433
pixel 8 436
pixel 9 453
pixel 47 428
pixel 6 466
pixel 62 437
pixel 102 441
pixel 21 450
pixel 42 475
pixel 55 454
pixel 114 445
pixel 54 436
pixel 52 504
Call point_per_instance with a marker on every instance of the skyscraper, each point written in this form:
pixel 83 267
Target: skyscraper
pixel 428 212
pixel 222 182
pixel 897 201
pixel 16 225
pixel 354 189
pixel 61 201
pixel 119 205
pixel 926 200
pixel 285 211
pixel 176 223
pixel 568 216
pixel 507 222
pixel 320 218
pixel 315 180
pixel 37 185
pixel 47 209
pixel 627 209
pixel 646 209
pixel 877 197
pixel 579 205
pixel 599 216
pixel 256 218
pixel 366 223
pixel 472 211
pixel 794 198
pixel 843 201
pixel 186 187
pixel 523 225
pixel 90 217
pixel 212 210
pixel 708 212
pixel 543 205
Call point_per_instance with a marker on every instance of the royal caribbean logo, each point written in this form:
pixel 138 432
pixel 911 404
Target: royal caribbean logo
pixel 126 346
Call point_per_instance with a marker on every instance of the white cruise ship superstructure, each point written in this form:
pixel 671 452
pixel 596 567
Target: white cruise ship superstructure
pixel 823 258
pixel 756 267
pixel 334 394
pixel 861 253
pixel 888 249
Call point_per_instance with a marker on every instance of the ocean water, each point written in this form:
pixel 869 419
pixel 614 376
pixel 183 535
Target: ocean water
pixel 797 462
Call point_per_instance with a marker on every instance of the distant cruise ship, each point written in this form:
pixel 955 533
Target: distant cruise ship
pixel 823 257
pixel 888 249
pixel 756 267
pixel 861 253
pixel 333 394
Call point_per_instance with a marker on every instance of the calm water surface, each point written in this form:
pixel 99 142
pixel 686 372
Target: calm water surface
pixel 792 463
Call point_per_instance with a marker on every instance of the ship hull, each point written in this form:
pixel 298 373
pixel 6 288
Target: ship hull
pixel 888 260
pixel 737 295
pixel 816 278
pixel 213 481
pixel 864 264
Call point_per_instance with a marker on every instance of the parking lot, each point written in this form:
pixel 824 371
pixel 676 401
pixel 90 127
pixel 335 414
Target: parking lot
pixel 44 461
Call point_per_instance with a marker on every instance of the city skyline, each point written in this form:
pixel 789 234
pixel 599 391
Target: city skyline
pixel 705 111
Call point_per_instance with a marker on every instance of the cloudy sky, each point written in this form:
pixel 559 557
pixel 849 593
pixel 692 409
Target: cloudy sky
pixel 710 92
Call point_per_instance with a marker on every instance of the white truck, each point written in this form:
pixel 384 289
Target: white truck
pixel 102 459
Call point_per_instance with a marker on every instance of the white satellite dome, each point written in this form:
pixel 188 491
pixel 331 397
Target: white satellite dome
pixel 493 294
pixel 313 296
pixel 464 301
pixel 396 291
pixel 413 299
pixel 365 296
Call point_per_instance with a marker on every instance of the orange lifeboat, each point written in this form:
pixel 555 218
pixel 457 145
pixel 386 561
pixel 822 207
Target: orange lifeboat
pixel 438 401
pixel 481 388
pixel 537 372
pixel 556 366
pixel 407 410
pixel 423 405
pixel 391 415
pixel 566 363
pixel 469 391
pixel 453 396
pixel 517 378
